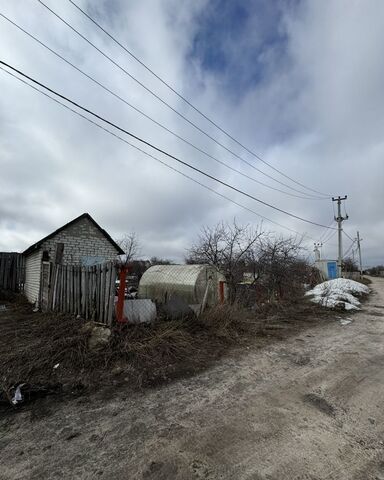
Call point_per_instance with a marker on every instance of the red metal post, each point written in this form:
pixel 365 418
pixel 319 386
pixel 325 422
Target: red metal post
pixel 121 296
pixel 221 292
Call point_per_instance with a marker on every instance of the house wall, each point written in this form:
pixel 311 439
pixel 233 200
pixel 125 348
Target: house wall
pixel 82 239
pixel 32 276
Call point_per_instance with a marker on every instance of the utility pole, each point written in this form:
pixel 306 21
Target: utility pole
pixel 359 249
pixel 339 219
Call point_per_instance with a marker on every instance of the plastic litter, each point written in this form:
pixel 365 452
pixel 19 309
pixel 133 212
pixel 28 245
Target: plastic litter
pixel 345 322
pixel 17 397
pixel 26 392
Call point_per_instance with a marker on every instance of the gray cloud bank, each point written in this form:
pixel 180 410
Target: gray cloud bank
pixel 313 107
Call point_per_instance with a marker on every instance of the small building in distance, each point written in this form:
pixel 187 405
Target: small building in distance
pixel 80 242
pixel 327 268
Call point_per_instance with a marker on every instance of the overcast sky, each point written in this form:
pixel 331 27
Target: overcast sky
pixel 300 83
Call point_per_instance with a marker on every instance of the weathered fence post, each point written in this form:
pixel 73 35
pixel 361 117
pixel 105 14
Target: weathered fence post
pixel 11 271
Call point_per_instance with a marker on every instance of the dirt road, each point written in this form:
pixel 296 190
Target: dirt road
pixel 310 407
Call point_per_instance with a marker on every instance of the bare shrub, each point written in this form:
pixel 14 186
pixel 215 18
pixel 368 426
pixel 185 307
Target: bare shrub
pixel 279 270
pixel 227 321
pixel 225 246
pixel 350 265
pixel 130 244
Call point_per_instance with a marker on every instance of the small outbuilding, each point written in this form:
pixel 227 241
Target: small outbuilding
pixel 195 285
pixel 327 268
pixel 80 242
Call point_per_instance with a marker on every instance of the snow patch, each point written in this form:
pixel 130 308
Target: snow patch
pixel 338 293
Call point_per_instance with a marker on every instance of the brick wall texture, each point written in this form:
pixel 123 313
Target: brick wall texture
pixel 82 239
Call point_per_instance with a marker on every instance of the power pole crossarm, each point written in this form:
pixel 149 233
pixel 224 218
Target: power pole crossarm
pixel 317 250
pixel 339 219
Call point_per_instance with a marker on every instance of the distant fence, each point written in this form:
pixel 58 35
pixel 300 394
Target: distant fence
pixel 351 275
pixel 85 291
pixel 11 271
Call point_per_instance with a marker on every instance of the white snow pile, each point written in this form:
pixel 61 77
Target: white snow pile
pixel 338 293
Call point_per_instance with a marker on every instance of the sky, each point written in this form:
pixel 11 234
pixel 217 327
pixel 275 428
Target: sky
pixel 297 82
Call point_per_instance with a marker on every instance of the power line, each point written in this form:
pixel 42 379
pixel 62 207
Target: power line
pixel 145 142
pixel 90 77
pixel 167 104
pixel 349 249
pixel 153 157
pixel 186 100
pixel 330 236
pixel 325 232
pixel 346 234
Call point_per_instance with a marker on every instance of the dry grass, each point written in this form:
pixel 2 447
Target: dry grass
pixel 31 345
pixel 365 280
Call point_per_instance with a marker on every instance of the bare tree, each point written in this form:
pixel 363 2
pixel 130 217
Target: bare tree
pixel 376 271
pixel 349 265
pixel 225 246
pixel 160 261
pixel 281 267
pixel 130 244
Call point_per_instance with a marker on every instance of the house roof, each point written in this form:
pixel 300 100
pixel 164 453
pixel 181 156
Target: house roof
pixel 37 245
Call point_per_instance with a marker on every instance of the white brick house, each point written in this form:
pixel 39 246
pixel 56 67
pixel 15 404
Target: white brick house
pixel 80 242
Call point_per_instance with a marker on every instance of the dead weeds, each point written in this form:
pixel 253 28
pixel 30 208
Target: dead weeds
pixel 52 349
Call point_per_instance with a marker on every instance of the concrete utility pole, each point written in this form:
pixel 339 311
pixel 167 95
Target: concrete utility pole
pixel 359 249
pixel 339 219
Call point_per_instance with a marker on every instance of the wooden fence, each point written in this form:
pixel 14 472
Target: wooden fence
pixel 85 291
pixel 351 275
pixel 11 271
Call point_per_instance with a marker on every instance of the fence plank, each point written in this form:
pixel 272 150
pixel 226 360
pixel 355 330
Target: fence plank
pixel 111 303
pixel 61 288
pixel 74 292
pixel 82 289
pixel 86 283
pixel 98 281
pixel 55 287
pixel 102 292
pixel 71 289
pixel 67 290
pixel 90 292
pixel 106 291
pixel 78 290
pixel 93 293
pixel 11 271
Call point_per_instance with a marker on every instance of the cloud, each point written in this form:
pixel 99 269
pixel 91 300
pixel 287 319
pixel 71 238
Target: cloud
pixel 298 82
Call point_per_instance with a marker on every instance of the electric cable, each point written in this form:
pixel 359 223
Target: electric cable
pixel 145 142
pixel 90 77
pixel 188 102
pixel 105 55
pixel 153 157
